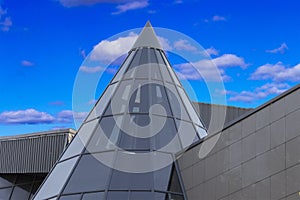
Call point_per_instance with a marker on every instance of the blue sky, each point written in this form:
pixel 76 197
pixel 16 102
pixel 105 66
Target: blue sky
pixel 254 43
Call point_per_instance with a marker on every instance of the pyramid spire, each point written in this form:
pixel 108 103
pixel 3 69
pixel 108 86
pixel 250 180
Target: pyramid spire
pixel 147 38
pixel 126 147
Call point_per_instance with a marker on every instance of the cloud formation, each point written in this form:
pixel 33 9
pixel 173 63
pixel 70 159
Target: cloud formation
pixel 73 3
pixel 282 49
pixel 5 24
pixel 27 63
pixel 32 116
pixel 184 45
pixel 28 116
pixel 217 18
pixel 131 6
pixel 108 51
pixel 210 70
pixel 277 72
pixel 258 93
pixel 212 51
pixel 68 116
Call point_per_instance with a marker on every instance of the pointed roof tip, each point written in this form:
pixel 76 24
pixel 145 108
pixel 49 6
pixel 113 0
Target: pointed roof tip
pixel 147 38
pixel 148 24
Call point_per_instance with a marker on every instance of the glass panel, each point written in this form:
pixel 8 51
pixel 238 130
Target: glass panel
pixel 21 192
pixel 159 96
pixel 7 180
pixel 174 182
pixel 170 69
pixel 89 175
pixel 159 57
pixel 102 103
pixel 142 195
pixel 201 132
pixel 117 196
pixel 80 140
pixel 135 62
pixel 5 193
pixel 71 197
pixel 124 67
pixel 166 134
pixel 131 181
pixel 35 186
pixel 140 96
pixel 144 56
pixel 143 71
pixel 152 56
pixel 178 109
pixel 187 133
pixel 93 196
pixel 176 197
pixel 120 100
pixel 106 135
pixel 160 196
pixel 194 116
pixel 53 184
pixel 145 96
pixel 162 178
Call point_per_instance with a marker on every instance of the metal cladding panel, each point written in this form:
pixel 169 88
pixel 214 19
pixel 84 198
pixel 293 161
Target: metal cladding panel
pixel 204 110
pixel 31 154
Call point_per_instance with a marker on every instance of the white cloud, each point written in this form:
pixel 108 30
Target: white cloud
pixel 184 45
pixel 110 50
pixel 6 24
pixel 72 3
pixel 91 69
pixel 229 60
pixel 27 63
pixel 92 102
pixel 212 51
pixel 210 70
pixel 217 18
pixel 2 11
pixel 68 116
pixel 28 116
pixel 259 93
pixel 132 5
pixel 282 49
pixel 277 72
pixel 165 43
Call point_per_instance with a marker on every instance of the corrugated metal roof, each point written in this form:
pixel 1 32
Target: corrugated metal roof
pixel 32 153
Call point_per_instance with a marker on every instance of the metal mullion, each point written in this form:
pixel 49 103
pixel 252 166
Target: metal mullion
pixel 167 62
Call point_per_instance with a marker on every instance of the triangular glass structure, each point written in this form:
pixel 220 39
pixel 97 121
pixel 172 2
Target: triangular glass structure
pixel 126 147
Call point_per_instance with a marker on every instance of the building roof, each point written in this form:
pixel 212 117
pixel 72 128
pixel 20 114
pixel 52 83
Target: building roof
pixel 33 153
pixel 127 145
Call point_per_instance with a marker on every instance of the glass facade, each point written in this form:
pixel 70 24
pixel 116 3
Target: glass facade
pixel 126 147
pixel 19 186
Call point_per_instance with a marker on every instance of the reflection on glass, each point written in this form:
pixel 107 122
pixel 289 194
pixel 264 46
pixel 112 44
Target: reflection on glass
pixel 89 175
pixel 53 185
pixel 124 67
pixel 101 104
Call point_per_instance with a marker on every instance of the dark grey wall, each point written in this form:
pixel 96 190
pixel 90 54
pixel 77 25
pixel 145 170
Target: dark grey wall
pixel 205 111
pixel 256 157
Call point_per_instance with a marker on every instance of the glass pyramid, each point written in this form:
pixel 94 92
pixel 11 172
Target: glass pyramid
pixel 126 147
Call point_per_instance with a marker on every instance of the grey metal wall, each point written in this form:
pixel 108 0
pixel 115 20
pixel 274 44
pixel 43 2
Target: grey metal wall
pixel 32 153
pixel 221 115
pixel 255 157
